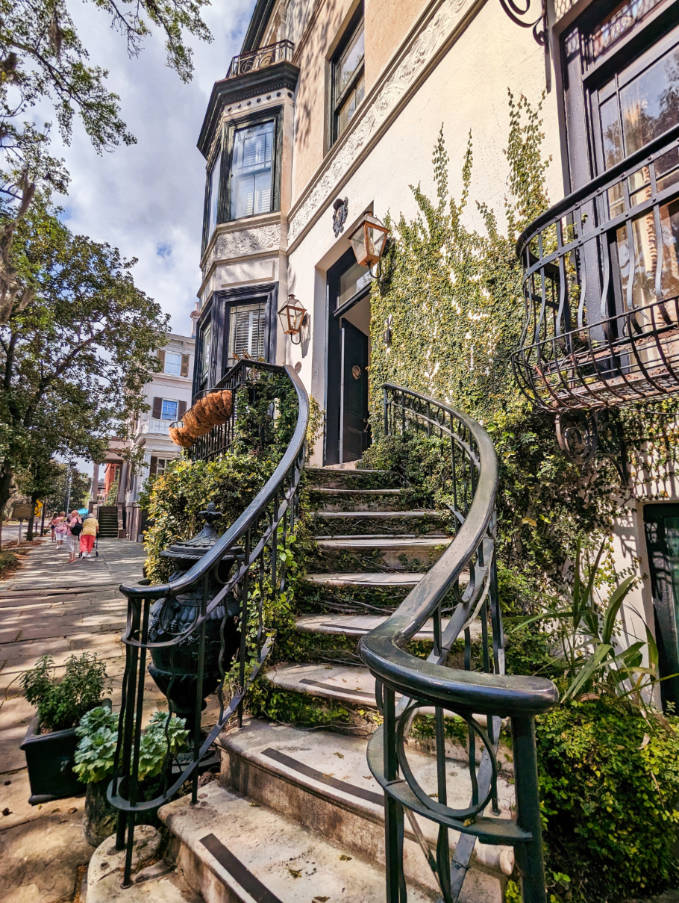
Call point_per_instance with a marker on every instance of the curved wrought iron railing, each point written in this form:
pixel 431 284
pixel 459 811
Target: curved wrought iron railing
pixel 601 288
pixel 230 581
pixel 459 589
pixel 261 58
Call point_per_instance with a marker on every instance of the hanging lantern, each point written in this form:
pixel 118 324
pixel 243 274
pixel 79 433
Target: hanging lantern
pixel 369 240
pixel 293 315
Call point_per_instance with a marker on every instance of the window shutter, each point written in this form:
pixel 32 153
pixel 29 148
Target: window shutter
pixel 154 466
pixel 161 358
pixel 157 408
pixel 185 365
pixel 182 410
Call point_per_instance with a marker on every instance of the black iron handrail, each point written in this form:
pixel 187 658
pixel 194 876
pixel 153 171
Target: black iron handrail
pixel 219 583
pixel 243 63
pixel 601 289
pixel 463 692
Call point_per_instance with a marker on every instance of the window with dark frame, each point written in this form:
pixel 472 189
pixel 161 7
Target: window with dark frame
pixel 347 76
pixel 252 170
pixel 621 77
pixel 247 332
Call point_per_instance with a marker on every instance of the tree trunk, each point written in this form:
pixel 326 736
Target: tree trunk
pixel 31 519
pixel 5 487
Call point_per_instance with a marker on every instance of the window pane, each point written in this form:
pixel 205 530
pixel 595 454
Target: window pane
pixel 205 351
pixel 169 410
pixel 348 108
pixel 252 170
pixel 617 24
pixel 247 331
pixel 214 195
pixel 352 281
pixel 173 363
pixel 349 61
pixel 639 259
pixel 647 105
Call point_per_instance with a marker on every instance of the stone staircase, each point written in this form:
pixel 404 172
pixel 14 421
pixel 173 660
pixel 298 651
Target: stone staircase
pixel 108 521
pixel 296 815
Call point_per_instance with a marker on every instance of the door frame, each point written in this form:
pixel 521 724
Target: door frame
pixel 332 441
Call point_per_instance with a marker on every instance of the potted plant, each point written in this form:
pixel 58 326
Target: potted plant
pixel 164 737
pixel 50 741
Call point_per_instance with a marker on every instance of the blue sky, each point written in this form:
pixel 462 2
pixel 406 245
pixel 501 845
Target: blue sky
pixel 147 199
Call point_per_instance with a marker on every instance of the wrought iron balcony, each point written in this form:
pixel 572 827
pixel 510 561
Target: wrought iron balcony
pixel 601 288
pixel 261 58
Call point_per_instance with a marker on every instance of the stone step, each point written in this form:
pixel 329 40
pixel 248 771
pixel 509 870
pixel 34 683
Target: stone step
pixel 377 553
pixel 233 850
pixel 327 499
pixel 360 625
pixel 366 592
pixel 322 780
pixel 380 523
pixel 348 684
pixel 353 478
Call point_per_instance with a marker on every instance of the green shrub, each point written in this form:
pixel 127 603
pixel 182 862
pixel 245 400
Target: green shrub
pixel 62 703
pixel 609 786
pixel 177 496
pixel 165 736
pixel 7 561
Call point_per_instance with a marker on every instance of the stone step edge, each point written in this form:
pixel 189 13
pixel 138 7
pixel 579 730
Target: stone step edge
pixel 394 540
pixel 368 804
pixel 386 515
pixel 212 861
pixel 340 579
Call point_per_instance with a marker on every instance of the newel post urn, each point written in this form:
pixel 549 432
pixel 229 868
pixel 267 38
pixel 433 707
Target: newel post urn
pixel 175 667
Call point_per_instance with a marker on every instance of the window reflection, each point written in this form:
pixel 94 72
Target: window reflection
pixel 252 170
pixel 640 110
pixel 638 256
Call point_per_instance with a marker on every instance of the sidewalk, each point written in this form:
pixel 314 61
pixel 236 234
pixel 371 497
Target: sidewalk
pixel 52 607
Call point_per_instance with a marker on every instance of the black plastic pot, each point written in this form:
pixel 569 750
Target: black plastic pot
pixel 49 758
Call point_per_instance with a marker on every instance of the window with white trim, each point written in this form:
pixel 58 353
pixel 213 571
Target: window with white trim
pixel 169 410
pixel 173 363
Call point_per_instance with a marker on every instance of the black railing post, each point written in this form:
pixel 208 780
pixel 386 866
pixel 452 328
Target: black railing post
pixel 529 854
pixel 385 410
pixel 393 811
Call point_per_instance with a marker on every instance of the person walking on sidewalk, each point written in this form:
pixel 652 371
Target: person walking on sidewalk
pixel 75 526
pixel 61 529
pixel 53 524
pixel 89 533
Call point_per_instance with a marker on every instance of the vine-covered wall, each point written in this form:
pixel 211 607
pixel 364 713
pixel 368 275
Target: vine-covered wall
pixel 450 303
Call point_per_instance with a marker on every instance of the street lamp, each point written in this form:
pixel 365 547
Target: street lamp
pixel 293 315
pixel 369 241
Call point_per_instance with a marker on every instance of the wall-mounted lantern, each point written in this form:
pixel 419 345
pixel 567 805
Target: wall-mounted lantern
pixel 293 315
pixel 369 241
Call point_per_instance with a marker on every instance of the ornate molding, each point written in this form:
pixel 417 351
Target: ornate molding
pixel 399 81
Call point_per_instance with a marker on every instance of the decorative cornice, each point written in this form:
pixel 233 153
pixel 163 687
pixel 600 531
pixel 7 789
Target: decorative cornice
pixel 279 77
pixel 232 243
pixel 428 42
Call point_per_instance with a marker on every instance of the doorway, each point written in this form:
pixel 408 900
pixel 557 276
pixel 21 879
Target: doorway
pixel 661 523
pixel 347 365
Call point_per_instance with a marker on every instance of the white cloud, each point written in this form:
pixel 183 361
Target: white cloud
pixel 147 199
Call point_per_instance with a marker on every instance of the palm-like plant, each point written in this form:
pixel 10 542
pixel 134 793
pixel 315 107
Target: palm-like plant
pixel 592 660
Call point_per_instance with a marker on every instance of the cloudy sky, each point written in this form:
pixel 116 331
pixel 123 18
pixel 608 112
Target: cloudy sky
pixel 147 199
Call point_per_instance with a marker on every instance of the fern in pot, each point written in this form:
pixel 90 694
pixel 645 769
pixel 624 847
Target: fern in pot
pixel 50 741
pixel 163 738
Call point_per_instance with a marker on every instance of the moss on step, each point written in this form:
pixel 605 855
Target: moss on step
pixel 406 523
pixel 375 558
pixel 302 710
pixel 317 598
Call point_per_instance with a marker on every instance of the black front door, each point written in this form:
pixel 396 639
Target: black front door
pixel 662 541
pixel 346 401
pixel 354 406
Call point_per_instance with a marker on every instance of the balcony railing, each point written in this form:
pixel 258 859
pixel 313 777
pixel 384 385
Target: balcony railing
pixel 601 288
pixel 261 58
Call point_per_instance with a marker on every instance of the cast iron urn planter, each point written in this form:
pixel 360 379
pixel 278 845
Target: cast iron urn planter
pixel 175 668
